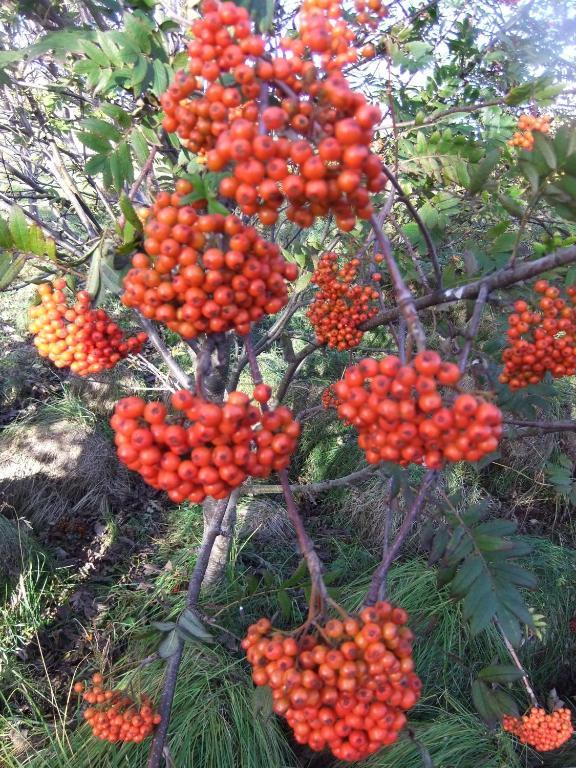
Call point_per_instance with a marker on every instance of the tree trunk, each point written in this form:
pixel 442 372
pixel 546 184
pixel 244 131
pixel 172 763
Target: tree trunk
pixel 221 549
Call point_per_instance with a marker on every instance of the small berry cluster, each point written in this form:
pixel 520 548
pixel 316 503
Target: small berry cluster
pixel 308 143
pixel 204 273
pixel 77 337
pixel 329 397
pixel 541 730
pixel 114 716
pixel 400 415
pixel 206 450
pixel 527 126
pixel 370 12
pixel 345 688
pixel 340 307
pixel 541 340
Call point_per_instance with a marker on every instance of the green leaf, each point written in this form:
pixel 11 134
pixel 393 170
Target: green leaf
pixel 543 147
pixel 18 225
pixel 95 53
pixel 6 239
pixel 467 574
pixel 139 145
pixel 297 577
pixel 101 128
pixel 160 79
pixel 501 673
pixel 262 702
pixel 480 174
pixel 169 645
pixel 506 703
pixel 439 545
pixel 129 213
pixel 93 142
pixel 285 604
pixel 10 267
pixel 479 605
pixel 192 628
pixel 531 175
pixel 93 276
pixel 164 626
pixel 485 702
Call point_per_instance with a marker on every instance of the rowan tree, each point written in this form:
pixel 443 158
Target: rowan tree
pixel 372 176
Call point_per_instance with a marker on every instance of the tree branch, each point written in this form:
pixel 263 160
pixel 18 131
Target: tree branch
pixel 452 111
pixel 293 368
pixel 411 516
pixel 501 279
pixel 315 488
pixel 173 665
pixel 473 325
pixel 404 298
pixel 176 372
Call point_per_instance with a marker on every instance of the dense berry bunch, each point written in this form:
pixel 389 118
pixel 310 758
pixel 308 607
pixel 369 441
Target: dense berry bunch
pixel 345 689
pixel 204 273
pixel 197 106
pixel 77 337
pixel 340 307
pixel 541 340
pixel 206 449
pixel 401 417
pixel 541 730
pixel 329 397
pixel 527 126
pixel 307 143
pixel 114 716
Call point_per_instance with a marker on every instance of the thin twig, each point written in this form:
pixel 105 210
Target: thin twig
pixel 473 327
pixel 177 373
pixel 517 664
pixel 404 298
pixel 418 219
pixel 410 518
pixel 292 369
pixel 434 118
pixel 146 169
pixel 305 542
pixel 315 488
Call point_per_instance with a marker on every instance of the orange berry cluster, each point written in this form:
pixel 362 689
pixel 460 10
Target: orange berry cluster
pixel 339 307
pixel 541 730
pixel 114 716
pixel 77 337
pixel 541 340
pixel 400 415
pixel 370 12
pixel 204 273
pixel 527 126
pixel 345 688
pixel 308 143
pixel 223 43
pixel 206 450
pixel 329 397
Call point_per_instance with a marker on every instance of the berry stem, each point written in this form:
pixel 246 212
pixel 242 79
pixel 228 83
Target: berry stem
pixel 517 663
pixel 410 518
pixel 304 541
pixel 178 374
pixel 404 298
pixel 211 532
